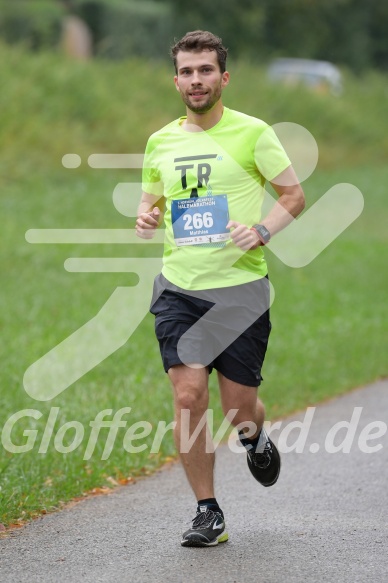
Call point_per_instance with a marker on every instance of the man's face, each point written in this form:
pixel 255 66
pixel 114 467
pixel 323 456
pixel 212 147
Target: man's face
pixel 199 80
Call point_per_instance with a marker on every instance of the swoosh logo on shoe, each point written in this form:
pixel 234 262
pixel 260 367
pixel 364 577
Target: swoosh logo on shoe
pixel 215 525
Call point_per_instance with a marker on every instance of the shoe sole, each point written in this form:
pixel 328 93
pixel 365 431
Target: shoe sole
pixel 267 484
pixel 195 541
pixel 274 481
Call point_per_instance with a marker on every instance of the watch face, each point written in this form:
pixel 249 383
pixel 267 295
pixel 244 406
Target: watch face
pixel 263 232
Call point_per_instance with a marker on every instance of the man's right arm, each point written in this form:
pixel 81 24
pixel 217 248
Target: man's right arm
pixel 149 215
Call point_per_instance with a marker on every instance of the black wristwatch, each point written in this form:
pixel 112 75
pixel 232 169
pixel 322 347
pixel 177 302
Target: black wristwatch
pixel 262 232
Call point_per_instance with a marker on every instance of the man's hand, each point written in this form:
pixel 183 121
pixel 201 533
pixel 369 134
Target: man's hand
pixel 243 236
pixel 147 223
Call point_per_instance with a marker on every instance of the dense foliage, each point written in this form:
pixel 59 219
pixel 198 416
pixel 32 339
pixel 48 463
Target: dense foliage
pixel 349 32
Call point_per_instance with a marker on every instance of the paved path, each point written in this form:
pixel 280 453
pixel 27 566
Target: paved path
pixel 324 521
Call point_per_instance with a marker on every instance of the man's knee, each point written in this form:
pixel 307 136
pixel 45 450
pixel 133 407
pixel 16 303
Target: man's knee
pixel 193 398
pixel 190 389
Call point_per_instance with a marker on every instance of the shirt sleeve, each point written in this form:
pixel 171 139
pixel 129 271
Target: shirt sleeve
pixel 270 156
pixel 151 178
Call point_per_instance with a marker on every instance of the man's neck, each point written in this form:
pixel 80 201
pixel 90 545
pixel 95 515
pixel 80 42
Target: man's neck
pixel 205 121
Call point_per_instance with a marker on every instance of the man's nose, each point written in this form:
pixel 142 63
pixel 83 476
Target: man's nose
pixel 195 80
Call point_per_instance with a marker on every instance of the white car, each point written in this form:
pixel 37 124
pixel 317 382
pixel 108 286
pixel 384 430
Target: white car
pixel 320 76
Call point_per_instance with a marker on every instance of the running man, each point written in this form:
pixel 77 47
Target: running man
pixel 205 172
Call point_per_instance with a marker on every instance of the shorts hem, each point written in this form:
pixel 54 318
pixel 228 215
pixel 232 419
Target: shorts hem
pixel 168 365
pixel 236 379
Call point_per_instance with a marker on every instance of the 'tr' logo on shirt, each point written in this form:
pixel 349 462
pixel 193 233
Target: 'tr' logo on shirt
pixel 203 168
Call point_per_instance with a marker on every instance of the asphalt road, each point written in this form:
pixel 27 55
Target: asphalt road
pixel 324 521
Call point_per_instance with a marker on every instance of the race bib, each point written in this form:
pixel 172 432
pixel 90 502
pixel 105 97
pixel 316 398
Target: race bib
pixel 201 220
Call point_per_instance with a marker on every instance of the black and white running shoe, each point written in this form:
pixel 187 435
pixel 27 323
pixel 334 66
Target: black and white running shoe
pixel 207 530
pixel 263 460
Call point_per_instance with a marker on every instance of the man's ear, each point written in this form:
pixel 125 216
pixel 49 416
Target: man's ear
pixel 176 82
pixel 225 79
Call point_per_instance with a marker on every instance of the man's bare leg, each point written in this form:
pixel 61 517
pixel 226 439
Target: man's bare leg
pixel 191 394
pixel 263 457
pixel 236 396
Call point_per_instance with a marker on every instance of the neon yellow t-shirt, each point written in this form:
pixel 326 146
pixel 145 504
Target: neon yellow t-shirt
pixel 234 158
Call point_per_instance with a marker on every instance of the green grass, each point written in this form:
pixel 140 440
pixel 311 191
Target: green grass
pixel 328 317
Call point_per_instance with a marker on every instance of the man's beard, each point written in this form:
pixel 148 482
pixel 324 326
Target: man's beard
pixel 204 107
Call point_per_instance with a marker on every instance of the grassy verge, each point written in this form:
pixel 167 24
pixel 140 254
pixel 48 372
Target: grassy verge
pixel 327 318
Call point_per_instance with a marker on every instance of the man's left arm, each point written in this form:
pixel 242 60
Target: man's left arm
pixel 289 205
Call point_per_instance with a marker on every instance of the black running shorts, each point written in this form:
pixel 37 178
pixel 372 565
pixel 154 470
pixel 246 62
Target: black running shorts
pixel 224 328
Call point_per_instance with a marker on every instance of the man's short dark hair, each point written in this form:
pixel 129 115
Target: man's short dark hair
pixel 198 41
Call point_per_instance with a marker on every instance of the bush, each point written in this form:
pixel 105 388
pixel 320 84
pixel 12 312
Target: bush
pixel 119 29
pixel 131 28
pixel 36 24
